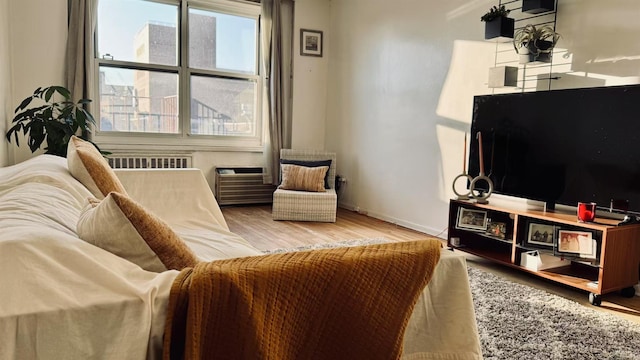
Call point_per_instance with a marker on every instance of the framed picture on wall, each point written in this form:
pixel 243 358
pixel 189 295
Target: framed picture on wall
pixel 310 42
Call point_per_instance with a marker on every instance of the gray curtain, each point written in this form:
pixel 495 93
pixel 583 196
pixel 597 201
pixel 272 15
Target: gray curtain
pixel 277 34
pixel 79 55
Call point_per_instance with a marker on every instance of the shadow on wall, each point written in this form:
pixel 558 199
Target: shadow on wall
pixel 602 37
pixel 566 81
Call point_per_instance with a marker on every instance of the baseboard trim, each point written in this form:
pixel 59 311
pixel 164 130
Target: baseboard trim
pixel 442 234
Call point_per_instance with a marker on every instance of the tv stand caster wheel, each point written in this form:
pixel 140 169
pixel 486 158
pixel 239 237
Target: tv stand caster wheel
pixel 595 299
pixel 628 292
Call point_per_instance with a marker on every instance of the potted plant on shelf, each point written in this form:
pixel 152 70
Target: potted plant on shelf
pixel 53 121
pixel 535 43
pixel 497 24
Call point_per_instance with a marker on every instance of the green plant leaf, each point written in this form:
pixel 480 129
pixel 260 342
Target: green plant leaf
pixel 15 129
pixel 49 93
pixel 89 117
pixel 36 135
pixel 81 118
pixel 23 104
pixel 63 91
pixel 66 112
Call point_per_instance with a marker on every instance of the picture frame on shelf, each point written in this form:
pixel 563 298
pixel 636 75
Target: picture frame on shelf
pixel 311 42
pixel 541 235
pixel 576 243
pixel 497 229
pixel 469 219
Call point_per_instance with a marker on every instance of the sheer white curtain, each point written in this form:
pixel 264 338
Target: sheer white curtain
pixel 79 55
pixel 277 35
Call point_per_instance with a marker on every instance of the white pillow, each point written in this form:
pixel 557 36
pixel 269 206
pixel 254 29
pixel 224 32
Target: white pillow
pixel 125 228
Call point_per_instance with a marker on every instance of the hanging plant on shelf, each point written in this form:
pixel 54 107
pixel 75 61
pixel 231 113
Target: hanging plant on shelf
pixel 535 43
pixel 497 24
pixel 494 13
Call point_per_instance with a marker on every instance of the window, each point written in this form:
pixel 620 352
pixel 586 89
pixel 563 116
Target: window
pixel 169 82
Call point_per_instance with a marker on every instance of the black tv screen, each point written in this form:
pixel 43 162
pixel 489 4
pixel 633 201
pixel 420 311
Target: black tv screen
pixel 561 146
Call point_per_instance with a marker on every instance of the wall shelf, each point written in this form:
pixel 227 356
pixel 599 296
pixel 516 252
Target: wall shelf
pixel 538 6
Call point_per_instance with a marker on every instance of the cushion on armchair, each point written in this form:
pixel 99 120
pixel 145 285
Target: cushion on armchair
pixel 302 178
pixel 125 228
pixel 88 166
pixel 311 163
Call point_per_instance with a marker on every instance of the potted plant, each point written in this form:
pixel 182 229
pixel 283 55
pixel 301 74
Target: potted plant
pixel 535 43
pixel 497 24
pixel 53 121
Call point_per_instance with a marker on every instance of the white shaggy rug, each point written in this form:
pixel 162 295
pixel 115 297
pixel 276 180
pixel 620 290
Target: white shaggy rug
pixel 516 321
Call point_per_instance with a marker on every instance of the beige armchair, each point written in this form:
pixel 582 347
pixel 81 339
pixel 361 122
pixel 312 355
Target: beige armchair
pixel 302 205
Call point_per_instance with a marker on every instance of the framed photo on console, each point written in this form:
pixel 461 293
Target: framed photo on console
pixel 541 235
pixel 576 243
pixel 497 229
pixel 469 219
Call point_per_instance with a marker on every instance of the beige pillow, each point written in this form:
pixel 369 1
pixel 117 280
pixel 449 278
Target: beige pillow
pixel 125 228
pixel 295 177
pixel 88 166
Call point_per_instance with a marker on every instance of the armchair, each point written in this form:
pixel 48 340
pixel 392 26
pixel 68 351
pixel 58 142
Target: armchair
pixel 303 205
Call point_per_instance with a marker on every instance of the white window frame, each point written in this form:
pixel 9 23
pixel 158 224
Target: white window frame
pixel 183 140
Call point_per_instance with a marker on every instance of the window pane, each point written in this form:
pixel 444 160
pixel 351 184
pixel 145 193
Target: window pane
pixel 223 107
pixel 138 101
pixel 222 42
pixel 140 31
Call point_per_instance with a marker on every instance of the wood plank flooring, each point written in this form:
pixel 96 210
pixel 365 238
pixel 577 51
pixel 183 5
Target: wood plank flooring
pixel 254 224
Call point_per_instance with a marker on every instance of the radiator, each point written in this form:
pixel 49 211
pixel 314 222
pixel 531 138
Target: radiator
pixel 241 185
pixel 138 161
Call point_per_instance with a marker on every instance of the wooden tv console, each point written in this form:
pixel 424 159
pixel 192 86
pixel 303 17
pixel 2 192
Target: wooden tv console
pixel 614 267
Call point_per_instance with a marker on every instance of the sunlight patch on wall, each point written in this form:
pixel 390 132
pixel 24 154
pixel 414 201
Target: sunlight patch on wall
pixel 467 77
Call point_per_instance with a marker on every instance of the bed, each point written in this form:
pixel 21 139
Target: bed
pixel 62 297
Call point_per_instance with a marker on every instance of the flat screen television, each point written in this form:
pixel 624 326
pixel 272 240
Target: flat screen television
pixel 561 146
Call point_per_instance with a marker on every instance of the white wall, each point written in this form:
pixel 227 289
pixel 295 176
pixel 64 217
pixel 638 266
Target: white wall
pixel 38 36
pixel 310 77
pixel 402 75
pixel 601 43
pixel 386 73
pixel 5 80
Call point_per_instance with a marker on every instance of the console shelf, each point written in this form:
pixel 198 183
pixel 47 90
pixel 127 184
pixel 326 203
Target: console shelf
pixel 613 266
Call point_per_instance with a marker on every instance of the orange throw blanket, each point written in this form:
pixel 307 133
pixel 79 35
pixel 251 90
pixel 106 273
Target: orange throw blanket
pixel 340 303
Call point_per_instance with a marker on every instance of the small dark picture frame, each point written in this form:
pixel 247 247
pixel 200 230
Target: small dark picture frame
pixel 472 219
pixel 310 42
pixel 541 235
pixel 497 229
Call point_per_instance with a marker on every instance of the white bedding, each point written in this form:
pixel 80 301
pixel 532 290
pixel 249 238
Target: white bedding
pixel 62 298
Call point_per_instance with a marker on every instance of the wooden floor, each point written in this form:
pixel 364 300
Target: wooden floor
pixel 254 224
